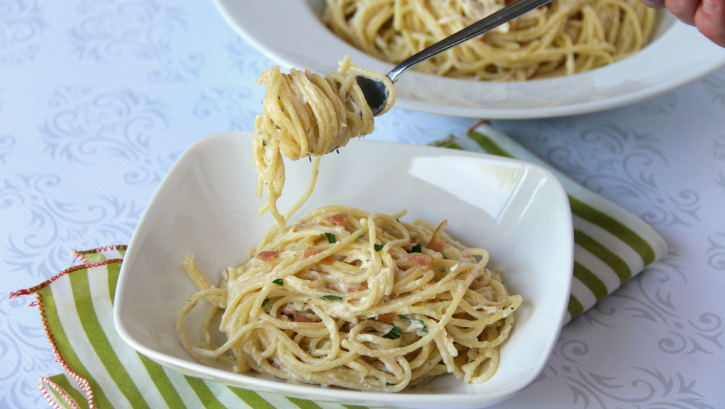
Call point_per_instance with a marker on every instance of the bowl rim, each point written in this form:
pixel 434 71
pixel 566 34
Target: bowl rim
pixel 316 392
pixel 677 29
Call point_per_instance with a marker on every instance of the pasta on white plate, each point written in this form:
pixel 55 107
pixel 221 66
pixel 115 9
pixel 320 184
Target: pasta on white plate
pixel 344 297
pixel 564 37
pixel 359 300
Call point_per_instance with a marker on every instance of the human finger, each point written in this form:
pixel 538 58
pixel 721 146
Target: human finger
pixel 710 20
pixel 684 10
pixel 654 4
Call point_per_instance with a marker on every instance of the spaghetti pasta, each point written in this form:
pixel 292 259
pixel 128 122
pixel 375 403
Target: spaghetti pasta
pixel 305 114
pixel 359 300
pixel 562 38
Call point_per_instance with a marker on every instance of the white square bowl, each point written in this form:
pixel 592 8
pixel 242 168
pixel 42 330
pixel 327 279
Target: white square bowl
pixel 206 206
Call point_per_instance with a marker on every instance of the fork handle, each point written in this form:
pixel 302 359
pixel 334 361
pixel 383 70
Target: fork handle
pixel 502 16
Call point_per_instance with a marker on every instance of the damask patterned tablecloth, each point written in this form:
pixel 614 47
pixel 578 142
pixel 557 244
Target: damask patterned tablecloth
pixel 98 97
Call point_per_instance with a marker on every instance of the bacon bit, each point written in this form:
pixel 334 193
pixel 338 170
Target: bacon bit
pixel 422 261
pixel 268 255
pixel 355 288
pixel 409 247
pixel 437 245
pixel 275 365
pixel 339 219
pixel 387 317
pixel 302 318
pixel 312 250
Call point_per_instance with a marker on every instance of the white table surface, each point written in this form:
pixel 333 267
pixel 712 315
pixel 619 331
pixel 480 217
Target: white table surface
pixel 98 97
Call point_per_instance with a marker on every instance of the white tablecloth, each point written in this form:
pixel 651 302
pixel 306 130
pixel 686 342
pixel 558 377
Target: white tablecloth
pixel 98 97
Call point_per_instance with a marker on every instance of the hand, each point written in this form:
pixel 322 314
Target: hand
pixel 707 15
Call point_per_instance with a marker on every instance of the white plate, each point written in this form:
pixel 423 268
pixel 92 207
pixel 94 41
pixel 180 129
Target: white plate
pixel 205 206
pixel 289 32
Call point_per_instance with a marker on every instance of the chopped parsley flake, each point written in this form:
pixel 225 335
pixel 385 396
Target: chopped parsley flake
pixel 330 237
pixel 331 298
pixel 266 300
pixel 389 383
pixel 416 249
pixel 394 333
pixel 264 143
pixel 278 281
pixel 378 247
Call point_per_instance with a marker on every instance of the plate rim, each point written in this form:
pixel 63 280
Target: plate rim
pixel 316 392
pixel 716 63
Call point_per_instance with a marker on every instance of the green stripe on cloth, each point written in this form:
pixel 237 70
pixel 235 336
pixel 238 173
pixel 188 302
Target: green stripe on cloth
pixel 449 143
pixel 488 144
pixel 99 342
pixel 63 345
pixel 611 259
pixel 63 383
pixel 113 270
pixel 251 398
pixel 304 404
pixel 615 227
pixel 162 382
pixel 589 279
pixel 452 145
pixel 94 258
pixel 205 394
pixel 60 400
pixel 575 308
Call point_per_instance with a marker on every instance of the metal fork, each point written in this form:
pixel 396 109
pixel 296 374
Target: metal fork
pixel 375 91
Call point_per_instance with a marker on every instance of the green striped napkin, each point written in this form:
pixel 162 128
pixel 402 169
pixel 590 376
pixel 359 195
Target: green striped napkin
pixel 610 244
pixel 103 372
